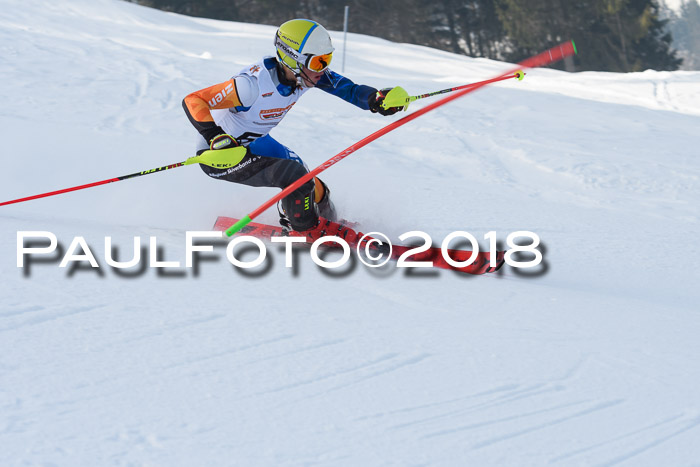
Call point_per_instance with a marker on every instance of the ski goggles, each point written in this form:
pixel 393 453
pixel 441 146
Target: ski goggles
pixel 317 63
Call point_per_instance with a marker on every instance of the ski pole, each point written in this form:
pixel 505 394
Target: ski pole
pixel 398 97
pixel 221 159
pixel 549 56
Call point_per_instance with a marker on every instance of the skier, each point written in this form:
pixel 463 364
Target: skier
pixel 257 99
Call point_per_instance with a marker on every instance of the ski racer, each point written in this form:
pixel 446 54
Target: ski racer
pixel 256 100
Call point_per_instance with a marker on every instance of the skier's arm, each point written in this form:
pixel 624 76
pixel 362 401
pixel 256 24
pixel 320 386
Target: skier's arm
pixel 340 86
pixel 238 93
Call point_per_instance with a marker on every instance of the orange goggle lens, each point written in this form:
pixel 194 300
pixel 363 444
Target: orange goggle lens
pixel 319 62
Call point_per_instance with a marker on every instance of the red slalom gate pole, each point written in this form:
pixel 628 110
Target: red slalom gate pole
pixel 549 56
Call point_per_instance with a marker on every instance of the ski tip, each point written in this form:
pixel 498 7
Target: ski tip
pixel 573 44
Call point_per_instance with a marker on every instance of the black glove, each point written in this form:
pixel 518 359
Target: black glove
pixel 375 103
pixel 219 139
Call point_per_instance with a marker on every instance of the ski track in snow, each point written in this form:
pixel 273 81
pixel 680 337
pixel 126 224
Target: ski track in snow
pixel 588 361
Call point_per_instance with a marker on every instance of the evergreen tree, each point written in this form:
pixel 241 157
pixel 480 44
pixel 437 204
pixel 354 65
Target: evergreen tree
pixel 480 28
pixel 686 34
pixel 639 35
pixel 614 35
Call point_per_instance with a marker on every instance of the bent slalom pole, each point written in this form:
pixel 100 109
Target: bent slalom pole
pixel 552 55
pixel 220 159
pixel 398 97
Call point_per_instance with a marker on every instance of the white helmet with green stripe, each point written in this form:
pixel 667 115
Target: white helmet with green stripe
pixel 302 42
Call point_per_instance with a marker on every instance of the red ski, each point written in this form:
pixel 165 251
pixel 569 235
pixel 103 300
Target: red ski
pixel 481 265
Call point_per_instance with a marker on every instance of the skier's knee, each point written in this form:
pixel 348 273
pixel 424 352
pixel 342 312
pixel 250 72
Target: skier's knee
pixel 292 171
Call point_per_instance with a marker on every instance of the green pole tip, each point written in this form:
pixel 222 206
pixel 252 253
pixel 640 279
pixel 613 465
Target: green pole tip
pixel 238 226
pixel 574 45
pixel 520 75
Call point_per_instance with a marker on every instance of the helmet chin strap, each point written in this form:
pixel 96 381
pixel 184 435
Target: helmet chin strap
pixel 302 77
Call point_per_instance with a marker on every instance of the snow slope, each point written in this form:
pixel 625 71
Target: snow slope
pixel 591 360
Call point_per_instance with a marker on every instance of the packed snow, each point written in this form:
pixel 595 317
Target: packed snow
pixel 590 358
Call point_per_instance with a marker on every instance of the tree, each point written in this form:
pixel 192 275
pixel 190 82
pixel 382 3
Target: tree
pixel 686 34
pixel 639 35
pixel 614 35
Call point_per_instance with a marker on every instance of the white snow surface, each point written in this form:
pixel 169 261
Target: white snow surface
pixel 593 361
